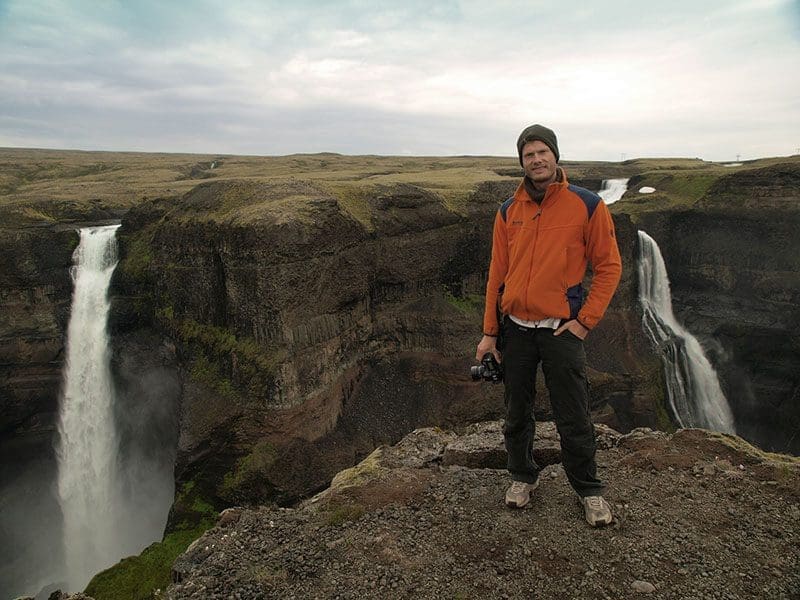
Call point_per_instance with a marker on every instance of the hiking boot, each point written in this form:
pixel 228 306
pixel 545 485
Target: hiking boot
pixel 597 510
pixel 519 494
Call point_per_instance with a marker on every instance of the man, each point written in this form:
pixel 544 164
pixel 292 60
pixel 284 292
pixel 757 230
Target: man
pixel 544 235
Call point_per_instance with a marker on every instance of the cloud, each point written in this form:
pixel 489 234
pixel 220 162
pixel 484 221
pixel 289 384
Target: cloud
pixel 710 68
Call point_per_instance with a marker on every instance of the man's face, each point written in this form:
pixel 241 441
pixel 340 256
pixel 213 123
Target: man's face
pixel 539 162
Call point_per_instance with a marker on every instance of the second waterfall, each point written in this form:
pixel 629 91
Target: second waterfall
pixel 693 388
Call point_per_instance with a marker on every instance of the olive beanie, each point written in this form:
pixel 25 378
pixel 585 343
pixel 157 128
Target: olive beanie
pixel 541 133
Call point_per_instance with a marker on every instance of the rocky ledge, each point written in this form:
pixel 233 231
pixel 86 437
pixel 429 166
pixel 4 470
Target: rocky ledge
pixel 698 514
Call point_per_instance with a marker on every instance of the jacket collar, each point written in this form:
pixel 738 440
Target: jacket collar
pixel 560 182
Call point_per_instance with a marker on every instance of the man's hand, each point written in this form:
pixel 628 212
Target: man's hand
pixel 488 343
pixel 575 328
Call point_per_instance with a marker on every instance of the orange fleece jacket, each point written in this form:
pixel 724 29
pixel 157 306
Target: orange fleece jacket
pixel 540 254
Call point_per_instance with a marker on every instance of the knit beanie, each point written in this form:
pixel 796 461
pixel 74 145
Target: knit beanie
pixel 541 133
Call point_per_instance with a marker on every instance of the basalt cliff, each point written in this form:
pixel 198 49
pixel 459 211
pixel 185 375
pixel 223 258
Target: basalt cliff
pixel 276 319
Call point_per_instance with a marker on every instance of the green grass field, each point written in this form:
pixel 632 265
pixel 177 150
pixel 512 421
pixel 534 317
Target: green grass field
pixel 42 187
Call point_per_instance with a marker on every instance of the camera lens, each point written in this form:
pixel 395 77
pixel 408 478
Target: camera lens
pixel 476 372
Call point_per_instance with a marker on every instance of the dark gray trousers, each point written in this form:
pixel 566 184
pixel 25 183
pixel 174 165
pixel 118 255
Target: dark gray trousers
pixel 564 366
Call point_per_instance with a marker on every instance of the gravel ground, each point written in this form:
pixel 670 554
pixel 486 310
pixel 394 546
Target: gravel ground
pixel 695 517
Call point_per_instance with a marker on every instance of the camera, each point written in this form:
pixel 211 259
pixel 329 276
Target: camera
pixel 488 370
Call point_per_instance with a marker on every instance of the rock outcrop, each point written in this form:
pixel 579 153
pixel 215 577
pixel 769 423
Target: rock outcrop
pixel 697 514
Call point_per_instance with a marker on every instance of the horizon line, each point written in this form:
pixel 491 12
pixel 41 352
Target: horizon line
pixel 370 154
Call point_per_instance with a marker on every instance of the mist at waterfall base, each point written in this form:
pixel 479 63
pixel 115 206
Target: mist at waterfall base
pixel 693 389
pixel 113 480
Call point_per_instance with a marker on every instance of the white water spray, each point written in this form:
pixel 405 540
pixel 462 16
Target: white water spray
pixel 693 389
pixel 87 449
pixel 613 189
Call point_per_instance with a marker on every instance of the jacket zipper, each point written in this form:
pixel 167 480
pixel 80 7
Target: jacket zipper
pixel 533 250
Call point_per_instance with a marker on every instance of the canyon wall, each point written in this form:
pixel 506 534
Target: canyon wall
pixel 307 336
pixel 35 290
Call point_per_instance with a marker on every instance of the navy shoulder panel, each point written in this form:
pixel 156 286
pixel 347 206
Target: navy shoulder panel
pixel 590 199
pixel 504 207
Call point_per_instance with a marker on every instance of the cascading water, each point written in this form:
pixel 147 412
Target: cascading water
pixel 87 447
pixel 693 389
pixel 613 189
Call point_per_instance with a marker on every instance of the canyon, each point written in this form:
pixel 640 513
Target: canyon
pixel 274 319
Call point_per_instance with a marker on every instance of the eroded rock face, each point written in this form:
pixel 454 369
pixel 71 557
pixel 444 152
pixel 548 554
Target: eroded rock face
pixel 307 337
pixel 35 292
pixel 301 331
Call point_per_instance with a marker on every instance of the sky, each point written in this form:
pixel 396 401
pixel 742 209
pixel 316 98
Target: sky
pixel 620 79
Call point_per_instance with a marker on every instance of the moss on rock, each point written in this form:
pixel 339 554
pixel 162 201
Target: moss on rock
pixel 142 577
pixel 249 474
pixel 369 468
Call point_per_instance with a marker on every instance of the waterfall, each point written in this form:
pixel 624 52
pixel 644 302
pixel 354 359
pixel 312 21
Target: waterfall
pixel 87 448
pixel 612 190
pixel 693 389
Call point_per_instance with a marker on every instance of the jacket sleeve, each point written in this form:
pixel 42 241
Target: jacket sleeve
pixel 497 275
pixel 603 253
